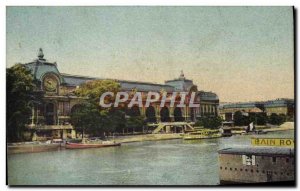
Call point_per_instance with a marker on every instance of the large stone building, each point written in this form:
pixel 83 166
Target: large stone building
pixel 279 106
pixel 51 118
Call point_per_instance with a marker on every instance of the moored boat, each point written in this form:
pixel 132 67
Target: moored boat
pixel 91 145
pixel 254 132
pixel 202 134
pixel 31 147
pixel 226 131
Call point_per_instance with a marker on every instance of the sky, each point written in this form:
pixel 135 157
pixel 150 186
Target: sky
pixel 240 53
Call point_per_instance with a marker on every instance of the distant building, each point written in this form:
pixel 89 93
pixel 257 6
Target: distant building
pixel 278 106
pixel 51 118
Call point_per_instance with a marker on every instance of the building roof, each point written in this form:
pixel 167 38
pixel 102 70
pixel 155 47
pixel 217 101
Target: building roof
pixel 181 78
pixel 239 105
pixel 41 66
pixel 283 102
pixel 274 151
pixel 125 84
pixel 279 102
pixel 208 96
pixel 255 110
pixel 75 80
pixel 144 86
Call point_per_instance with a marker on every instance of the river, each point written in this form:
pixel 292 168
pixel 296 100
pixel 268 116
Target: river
pixel 169 162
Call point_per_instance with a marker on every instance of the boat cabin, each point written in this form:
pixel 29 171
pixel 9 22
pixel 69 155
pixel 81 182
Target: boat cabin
pixel 256 165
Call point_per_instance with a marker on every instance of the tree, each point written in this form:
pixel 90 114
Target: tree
pixel 240 120
pixel 19 99
pixel 94 89
pixel 213 122
pixel 258 118
pixel 134 122
pixel 112 120
pixel 275 119
pixel 85 118
pixel 91 117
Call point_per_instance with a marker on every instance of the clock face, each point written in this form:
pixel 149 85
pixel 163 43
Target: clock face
pixel 50 83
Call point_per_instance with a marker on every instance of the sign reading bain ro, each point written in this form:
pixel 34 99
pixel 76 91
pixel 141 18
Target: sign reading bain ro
pixel 277 142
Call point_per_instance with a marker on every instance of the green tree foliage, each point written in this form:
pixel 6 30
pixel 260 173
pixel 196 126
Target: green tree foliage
pixel 240 120
pixel 86 118
pixel 258 118
pixel 112 120
pixel 213 122
pixel 135 122
pixel 19 100
pixel 94 89
pixel 93 119
pixel 275 119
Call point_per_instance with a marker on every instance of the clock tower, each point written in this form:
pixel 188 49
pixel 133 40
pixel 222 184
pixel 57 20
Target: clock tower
pixel 46 74
pixel 50 83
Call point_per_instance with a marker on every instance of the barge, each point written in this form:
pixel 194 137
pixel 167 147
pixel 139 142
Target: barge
pixel 90 145
pixel 257 165
pixel 32 147
pixel 202 134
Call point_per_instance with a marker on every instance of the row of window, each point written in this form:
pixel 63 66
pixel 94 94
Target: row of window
pixel 64 109
pixel 252 171
pixel 207 108
pixel 274 159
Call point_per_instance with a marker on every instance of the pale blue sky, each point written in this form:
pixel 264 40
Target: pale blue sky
pixel 241 53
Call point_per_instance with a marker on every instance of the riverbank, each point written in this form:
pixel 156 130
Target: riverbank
pixel 156 137
pixel 34 147
pixel 147 137
pixel 284 127
pixel 29 148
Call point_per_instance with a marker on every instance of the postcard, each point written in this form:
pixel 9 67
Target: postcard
pixel 150 96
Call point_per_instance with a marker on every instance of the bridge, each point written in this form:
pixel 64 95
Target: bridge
pixel 169 127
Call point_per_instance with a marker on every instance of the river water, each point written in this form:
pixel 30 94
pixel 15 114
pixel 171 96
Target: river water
pixel 171 162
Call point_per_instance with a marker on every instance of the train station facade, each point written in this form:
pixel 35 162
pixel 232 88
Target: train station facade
pixel 51 118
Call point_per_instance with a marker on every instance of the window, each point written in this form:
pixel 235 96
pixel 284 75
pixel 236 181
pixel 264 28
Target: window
pixel 220 167
pixel 60 108
pixel 251 170
pixel 230 168
pixel 273 159
pixel 248 160
pixel 64 108
pixel 287 160
pixel 257 171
